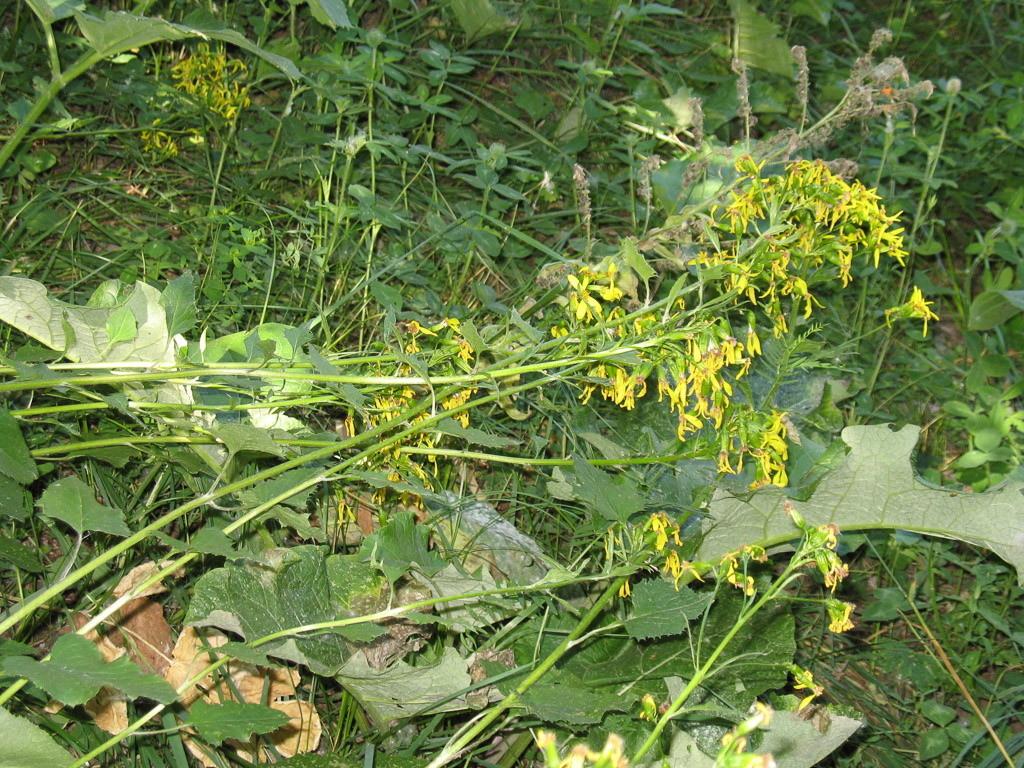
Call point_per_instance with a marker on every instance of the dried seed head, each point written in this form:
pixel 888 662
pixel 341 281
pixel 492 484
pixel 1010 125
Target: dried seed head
pixel 803 78
pixel 579 176
pixel 651 164
pixel 739 68
pixel 878 39
pixel 697 110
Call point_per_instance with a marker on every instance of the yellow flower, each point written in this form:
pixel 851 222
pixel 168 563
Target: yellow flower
pixel 839 615
pixel 916 307
pixel 805 682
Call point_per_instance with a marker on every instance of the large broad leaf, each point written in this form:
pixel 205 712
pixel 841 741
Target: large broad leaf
pixel 73 502
pixel 75 672
pixel 613 497
pixel 756 42
pixel 660 610
pixel 117 32
pixel 287 590
pixel 83 334
pixel 479 18
pixel 401 545
pixel 616 665
pixel 796 742
pixel 233 720
pixel 873 488
pixel 23 744
pixel 993 308
pixel 402 690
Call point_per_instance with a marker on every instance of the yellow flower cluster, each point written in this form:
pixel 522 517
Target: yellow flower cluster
pixel 580 756
pixel 159 142
pixel 733 753
pixel 696 370
pixel 214 79
pixel 730 563
pixel 815 218
pixel 587 288
pixel 915 307
pixel 449 350
pixel 804 681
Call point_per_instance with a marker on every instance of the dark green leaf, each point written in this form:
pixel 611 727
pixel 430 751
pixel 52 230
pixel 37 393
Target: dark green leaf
pixel 933 744
pixel 660 610
pixel 233 720
pixel 73 502
pixel 614 498
pixel 75 672
pixel 400 545
pixel 290 589
pixel 15 460
pixel 474 436
pixel 239 438
pixel 562 698
pixel 19 556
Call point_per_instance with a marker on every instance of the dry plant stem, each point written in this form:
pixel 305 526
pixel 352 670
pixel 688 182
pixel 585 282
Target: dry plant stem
pixel 460 741
pixel 963 688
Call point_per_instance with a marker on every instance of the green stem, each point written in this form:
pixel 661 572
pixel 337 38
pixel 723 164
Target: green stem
pixel 42 102
pixel 459 742
pixel 705 670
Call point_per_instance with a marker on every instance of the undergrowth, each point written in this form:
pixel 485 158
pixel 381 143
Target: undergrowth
pixel 495 384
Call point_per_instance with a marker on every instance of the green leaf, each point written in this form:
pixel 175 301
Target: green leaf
pixel 121 326
pixel 887 603
pixel 939 714
pixel 932 744
pixel 399 545
pixel 15 460
pixel 23 744
pixel 402 690
pixel 479 18
pixel 16 554
pixel 233 720
pixel 563 698
pixel 635 260
pixel 242 438
pixel 796 742
pixel 474 436
pixel 478 535
pixel 289 589
pixel 993 308
pixel 50 11
pixel 73 502
pixel 331 13
pixel 756 42
pixel 659 610
pixel 75 672
pixel 614 498
pixel 179 302
pixel 13 500
pixel 116 31
pixel 873 488
pixel 82 333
